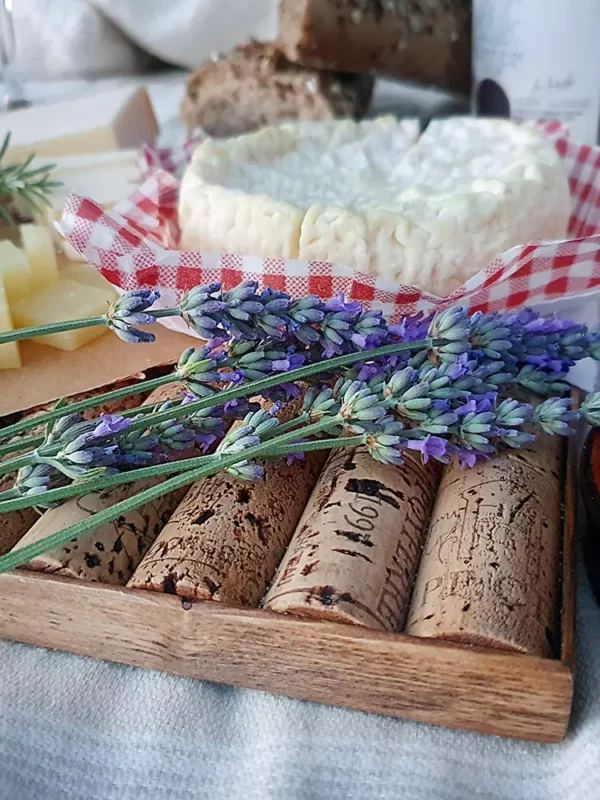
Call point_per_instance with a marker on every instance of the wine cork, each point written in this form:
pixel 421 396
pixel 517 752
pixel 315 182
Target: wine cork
pixel 13 524
pixel 356 550
pixel 489 571
pixel 111 552
pixel 227 536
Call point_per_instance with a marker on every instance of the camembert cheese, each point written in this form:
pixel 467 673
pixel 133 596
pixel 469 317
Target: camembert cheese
pixel 427 211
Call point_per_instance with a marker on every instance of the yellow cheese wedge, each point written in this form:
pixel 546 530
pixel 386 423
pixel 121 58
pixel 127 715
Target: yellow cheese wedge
pixel 100 121
pixel 38 245
pixel 15 272
pixel 9 353
pixel 62 301
pixel 84 273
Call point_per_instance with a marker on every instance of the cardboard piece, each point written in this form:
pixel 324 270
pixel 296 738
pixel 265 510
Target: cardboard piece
pixel 48 374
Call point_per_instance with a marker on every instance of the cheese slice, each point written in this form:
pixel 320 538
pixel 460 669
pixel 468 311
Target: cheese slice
pixel 9 352
pixel 100 121
pixel 426 211
pixel 62 301
pixel 38 245
pixel 15 272
pixel 87 275
pixel 106 177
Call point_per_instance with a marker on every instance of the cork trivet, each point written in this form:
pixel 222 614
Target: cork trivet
pixel 489 572
pixel 356 550
pixel 227 536
pixel 111 552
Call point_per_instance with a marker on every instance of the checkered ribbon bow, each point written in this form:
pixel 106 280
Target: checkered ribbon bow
pixel 134 247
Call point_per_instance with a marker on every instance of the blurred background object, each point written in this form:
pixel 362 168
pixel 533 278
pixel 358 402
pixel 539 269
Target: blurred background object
pixel 12 89
pixel 423 56
pixel 60 39
pixel 534 60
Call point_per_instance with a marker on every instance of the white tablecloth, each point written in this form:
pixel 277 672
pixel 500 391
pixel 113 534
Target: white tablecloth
pixel 73 728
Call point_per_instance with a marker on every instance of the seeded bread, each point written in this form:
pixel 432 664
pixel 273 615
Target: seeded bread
pixel 427 41
pixel 256 85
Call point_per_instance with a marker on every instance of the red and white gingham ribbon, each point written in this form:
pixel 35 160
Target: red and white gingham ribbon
pixel 134 247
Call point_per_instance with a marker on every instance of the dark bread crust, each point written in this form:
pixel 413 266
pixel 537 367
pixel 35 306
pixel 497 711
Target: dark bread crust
pixel 427 41
pixel 256 85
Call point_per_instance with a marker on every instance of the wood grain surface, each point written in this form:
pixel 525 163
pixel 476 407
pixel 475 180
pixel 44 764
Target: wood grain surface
pixel 393 674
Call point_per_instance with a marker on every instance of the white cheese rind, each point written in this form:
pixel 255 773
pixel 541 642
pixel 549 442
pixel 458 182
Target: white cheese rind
pixel 427 212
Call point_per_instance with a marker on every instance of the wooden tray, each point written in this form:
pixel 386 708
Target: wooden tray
pixel 448 684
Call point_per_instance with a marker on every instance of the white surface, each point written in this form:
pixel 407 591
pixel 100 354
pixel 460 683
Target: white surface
pixel 76 38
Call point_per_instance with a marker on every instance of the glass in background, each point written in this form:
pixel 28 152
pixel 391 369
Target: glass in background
pixel 11 88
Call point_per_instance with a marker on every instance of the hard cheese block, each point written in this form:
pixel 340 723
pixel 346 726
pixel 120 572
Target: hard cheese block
pixel 107 177
pixel 38 245
pixel 9 353
pixel 81 272
pixel 16 276
pixel 97 122
pixel 62 301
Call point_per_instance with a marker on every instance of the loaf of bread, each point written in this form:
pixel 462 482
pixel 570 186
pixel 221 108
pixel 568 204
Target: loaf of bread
pixel 256 85
pixel 427 41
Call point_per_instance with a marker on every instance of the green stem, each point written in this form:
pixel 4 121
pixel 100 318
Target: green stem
pixel 257 387
pixel 14 464
pixel 52 327
pixel 73 325
pixel 82 405
pixel 318 444
pixel 160 313
pixel 19 557
pixel 20 444
pixel 34 441
pixel 97 484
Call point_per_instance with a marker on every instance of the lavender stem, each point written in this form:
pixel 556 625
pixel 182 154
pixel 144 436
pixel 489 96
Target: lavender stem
pixel 22 556
pixel 82 405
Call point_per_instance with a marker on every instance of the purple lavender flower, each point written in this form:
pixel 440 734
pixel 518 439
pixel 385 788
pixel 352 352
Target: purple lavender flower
pixel 360 408
pixel 541 382
pixel 291 457
pixel 247 471
pixel 128 311
pixel 199 367
pixel 111 424
pixel 386 442
pixel 554 415
pixel 304 315
pixel 590 409
pixel 37 479
pixel 318 404
pixel 201 308
pixel 450 331
pixel 429 447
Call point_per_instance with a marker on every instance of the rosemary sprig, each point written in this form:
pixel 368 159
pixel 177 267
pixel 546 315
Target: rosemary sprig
pixel 21 182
